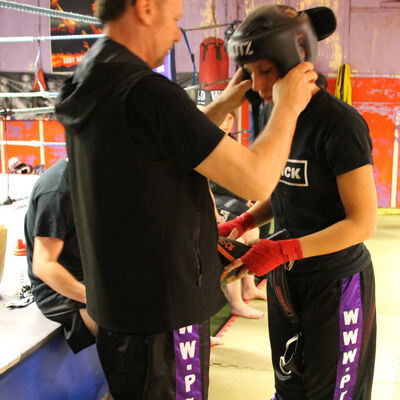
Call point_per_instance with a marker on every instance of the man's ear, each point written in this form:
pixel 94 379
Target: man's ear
pixel 145 10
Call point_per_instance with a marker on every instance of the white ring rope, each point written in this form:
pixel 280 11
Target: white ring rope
pixel 5 112
pixel 49 12
pixel 200 28
pixel 77 17
pixel 44 93
pixel 32 143
pixel 17 39
pixel 49 110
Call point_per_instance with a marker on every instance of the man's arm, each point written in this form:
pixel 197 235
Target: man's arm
pixel 253 173
pixel 45 266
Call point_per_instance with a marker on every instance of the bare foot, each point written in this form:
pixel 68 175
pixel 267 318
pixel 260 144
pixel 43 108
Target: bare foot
pixel 243 310
pixel 215 341
pixel 249 293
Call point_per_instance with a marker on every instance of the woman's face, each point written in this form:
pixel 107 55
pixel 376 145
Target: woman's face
pixel 264 74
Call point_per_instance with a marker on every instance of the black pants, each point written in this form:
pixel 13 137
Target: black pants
pixel 161 366
pixel 66 312
pixel 338 323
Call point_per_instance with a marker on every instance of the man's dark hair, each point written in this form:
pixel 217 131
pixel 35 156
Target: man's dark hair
pixel 110 10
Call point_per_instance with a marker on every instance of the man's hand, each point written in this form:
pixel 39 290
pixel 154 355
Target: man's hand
pixel 230 99
pixel 296 87
pixel 234 93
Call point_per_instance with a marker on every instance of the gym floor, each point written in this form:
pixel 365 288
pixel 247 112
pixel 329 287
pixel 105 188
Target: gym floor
pixel 241 368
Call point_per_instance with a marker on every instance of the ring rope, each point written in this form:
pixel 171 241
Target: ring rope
pixel 32 143
pixel 50 13
pixel 17 39
pixel 43 93
pixel 5 112
pixel 46 94
pixel 76 17
pixel 200 28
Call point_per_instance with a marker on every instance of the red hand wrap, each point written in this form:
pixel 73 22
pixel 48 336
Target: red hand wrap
pixel 242 223
pixel 266 255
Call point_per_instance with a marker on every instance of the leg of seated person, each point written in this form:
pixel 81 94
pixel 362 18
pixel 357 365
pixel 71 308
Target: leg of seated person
pixel 216 341
pixel 237 305
pixel 90 324
pixel 249 289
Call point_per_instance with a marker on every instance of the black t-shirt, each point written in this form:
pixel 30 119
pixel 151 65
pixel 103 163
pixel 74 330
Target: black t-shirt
pixel 164 125
pixel 228 204
pixel 331 139
pixel 49 214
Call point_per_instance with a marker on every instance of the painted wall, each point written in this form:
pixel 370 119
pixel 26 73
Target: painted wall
pixel 366 38
pixel 20 57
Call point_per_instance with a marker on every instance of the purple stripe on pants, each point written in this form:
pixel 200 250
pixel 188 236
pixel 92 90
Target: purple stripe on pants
pixel 187 363
pixel 351 324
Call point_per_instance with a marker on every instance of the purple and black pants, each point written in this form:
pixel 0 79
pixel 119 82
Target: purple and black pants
pixel 338 325
pixel 168 365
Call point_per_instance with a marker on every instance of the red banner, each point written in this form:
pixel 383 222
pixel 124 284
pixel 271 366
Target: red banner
pixel 67 54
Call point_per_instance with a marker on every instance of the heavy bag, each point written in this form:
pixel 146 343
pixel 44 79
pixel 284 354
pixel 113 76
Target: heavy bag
pixel 214 63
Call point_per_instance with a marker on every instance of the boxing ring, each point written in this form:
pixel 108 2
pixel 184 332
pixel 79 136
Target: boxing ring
pixel 35 361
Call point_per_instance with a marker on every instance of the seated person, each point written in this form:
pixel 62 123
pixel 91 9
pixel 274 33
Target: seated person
pixel 54 263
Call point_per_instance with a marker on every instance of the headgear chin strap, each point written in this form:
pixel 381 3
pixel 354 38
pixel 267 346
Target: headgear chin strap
pixel 281 34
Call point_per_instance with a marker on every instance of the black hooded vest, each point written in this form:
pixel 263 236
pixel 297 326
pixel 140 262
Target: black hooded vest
pixel 146 228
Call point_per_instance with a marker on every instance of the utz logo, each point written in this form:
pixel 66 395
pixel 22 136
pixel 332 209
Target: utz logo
pixel 295 173
pixel 242 49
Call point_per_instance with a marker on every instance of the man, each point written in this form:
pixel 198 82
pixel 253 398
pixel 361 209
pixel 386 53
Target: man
pixel 323 348
pixel 140 154
pixel 54 263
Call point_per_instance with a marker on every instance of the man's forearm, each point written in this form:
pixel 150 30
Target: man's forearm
pixel 61 280
pixel 217 111
pixel 273 145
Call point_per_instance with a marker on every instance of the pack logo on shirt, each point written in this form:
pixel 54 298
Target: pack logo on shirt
pixel 295 173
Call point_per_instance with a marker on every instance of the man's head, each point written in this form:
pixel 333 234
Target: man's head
pixel 149 28
pixel 166 30
pixel 281 35
pixel 110 10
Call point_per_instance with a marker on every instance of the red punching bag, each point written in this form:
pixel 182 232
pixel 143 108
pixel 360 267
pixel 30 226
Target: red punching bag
pixel 214 63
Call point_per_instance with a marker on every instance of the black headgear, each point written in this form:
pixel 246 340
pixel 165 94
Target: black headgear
pixel 281 34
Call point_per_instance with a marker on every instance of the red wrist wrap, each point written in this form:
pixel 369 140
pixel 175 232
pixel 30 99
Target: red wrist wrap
pixel 242 223
pixel 266 255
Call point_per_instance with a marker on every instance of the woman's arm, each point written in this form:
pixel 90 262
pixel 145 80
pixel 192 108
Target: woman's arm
pixel 358 195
